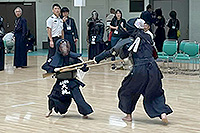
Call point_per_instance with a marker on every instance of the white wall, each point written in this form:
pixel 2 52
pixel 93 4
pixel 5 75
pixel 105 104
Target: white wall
pixel 194 25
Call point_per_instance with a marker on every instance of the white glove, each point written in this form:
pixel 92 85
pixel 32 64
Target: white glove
pixel 56 69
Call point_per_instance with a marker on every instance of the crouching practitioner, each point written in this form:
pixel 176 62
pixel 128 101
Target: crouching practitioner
pixel 67 85
pixel 145 76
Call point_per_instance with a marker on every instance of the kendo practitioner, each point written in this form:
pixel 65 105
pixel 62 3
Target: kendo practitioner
pixel 95 35
pixel 145 76
pixel 69 27
pixel 20 32
pixel 2 48
pixel 160 31
pixel 67 85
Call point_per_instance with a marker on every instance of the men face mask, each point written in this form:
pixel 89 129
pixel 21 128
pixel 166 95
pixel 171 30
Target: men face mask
pixel 94 15
pixel 64 48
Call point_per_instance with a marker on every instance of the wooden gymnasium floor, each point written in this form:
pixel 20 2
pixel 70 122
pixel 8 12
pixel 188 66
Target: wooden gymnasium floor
pixel 23 105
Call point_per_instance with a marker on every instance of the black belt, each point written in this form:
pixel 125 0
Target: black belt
pixel 57 37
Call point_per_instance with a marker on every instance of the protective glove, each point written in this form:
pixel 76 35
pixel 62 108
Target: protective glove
pixel 56 69
pixel 102 56
pixel 85 68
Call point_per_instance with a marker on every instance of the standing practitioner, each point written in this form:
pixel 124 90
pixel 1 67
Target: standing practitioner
pixel 145 76
pixel 54 26
pixel 70 30
pixel 67 86
pixel 95 35
pixel 2 49
pixel 20 32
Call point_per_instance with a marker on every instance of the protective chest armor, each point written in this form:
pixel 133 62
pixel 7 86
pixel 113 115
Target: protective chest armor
pixel 66 75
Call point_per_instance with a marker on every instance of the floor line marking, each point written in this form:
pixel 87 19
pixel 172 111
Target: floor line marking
pixel 99 73
pixel 24 104
pixel 177 79
pixel 24 81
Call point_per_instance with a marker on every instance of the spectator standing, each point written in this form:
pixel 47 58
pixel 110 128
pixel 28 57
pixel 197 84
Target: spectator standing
pixel 160 31
pixel 109 18
pixel 173 25
pixel 69 27
pixel 116 21
pixel 54 28
pixel 147 16
pixel 20 32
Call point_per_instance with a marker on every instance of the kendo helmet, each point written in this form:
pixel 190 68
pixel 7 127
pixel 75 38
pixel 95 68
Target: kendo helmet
pixel 63 47
pixel 131 27
pixel 95 15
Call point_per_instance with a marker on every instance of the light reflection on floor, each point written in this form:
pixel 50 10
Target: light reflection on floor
pixel 118 122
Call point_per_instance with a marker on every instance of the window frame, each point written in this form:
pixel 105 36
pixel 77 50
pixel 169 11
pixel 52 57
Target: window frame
pixel 139 10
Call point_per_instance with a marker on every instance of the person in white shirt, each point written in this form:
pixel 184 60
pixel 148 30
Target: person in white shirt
pixel 54 26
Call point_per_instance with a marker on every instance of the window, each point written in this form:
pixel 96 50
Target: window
pixel 136 5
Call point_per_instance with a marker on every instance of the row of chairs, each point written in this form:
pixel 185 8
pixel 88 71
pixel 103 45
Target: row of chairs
pixel 188 53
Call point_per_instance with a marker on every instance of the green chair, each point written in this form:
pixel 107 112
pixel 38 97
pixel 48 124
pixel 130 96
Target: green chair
pixel 169 51
pixel 181 46
pixel 190 52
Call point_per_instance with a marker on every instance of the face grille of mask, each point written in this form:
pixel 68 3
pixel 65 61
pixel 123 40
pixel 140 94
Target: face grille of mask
pixel 64 47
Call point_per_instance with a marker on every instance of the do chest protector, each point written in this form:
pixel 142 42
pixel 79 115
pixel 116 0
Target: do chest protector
pixel 66 75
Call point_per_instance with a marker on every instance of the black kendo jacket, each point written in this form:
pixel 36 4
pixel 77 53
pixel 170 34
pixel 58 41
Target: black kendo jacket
pixel 72 58
pixel 58 61
pixel 95 28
